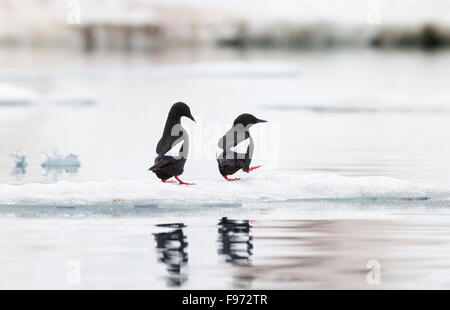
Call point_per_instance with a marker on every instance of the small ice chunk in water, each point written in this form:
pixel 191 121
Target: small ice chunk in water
pixel 20 163
pixel 55 164
pixel 53 159
pixel 19 159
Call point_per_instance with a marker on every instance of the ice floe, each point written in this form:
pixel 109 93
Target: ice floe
pixel 379 103
pixel 73 98
pixel 261 189
pixel 11 95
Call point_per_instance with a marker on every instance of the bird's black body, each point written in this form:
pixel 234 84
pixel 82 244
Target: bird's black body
pixel 171 157
pixel 166 167
pixel 236 146
pixel 229 161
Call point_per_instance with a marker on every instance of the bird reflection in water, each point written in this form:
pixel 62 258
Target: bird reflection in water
pixel 235 241
pixel 172 251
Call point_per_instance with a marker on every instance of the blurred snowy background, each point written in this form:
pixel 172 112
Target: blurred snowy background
pixel 144 24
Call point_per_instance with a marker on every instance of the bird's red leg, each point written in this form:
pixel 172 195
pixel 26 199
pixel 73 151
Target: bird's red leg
pixel 168 181
pixel 183 183
pixel 228 179
pixel 253 168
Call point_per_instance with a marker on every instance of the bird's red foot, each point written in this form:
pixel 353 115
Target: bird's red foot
pixel 182 182
pixel 168 181
pixel 253 168
pixel 228 179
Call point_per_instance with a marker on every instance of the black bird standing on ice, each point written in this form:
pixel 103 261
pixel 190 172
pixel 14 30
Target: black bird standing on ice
pixel 236 147
pixel 173 147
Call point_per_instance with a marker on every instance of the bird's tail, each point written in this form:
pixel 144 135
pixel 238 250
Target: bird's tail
pixel 160 162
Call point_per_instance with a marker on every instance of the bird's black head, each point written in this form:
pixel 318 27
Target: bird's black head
pixel 247 120
pixel 179 110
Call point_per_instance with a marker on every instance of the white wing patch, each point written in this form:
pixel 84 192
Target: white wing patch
pixel 219 151
pixel 175 150
pixel 242 147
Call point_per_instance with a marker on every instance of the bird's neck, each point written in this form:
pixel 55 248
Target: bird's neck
pixel 171 122
pixel 241 130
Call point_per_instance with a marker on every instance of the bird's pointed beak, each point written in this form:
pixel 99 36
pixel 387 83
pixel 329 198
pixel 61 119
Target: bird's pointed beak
pixel 191 117
pixel 262 121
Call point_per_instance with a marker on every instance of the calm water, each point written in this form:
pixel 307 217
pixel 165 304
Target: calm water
pixel 353 113
pixel 290 246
